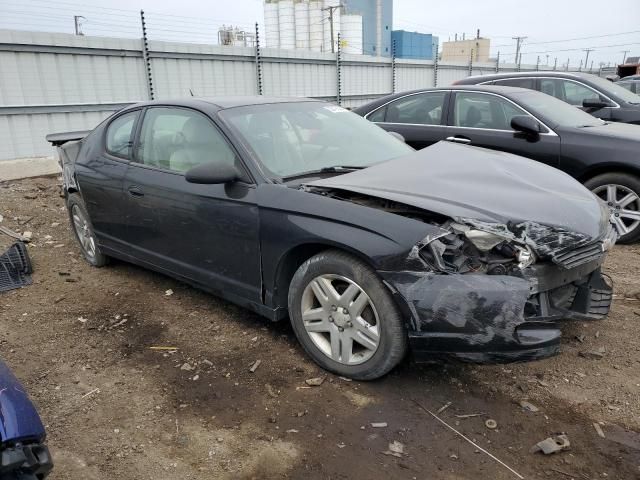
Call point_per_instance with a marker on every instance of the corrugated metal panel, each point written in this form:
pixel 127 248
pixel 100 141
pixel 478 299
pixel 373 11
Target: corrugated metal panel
pixel 51 82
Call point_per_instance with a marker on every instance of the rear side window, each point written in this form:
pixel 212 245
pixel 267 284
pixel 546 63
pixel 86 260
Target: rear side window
pixel 421 109
pixel 120 135
pixel 517 82
pixel 568 91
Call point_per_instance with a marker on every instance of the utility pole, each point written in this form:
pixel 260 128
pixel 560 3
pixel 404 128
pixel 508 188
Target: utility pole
pixel 586 60
pixel 78 24
pixel 518 43
pixel 624 53
pixel 331 10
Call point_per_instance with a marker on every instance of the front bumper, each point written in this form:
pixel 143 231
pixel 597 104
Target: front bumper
pixel 498 318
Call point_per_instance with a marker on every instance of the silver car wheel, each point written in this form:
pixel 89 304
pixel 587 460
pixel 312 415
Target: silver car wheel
pixel 83 232
pixel 340 319
pixel 624 205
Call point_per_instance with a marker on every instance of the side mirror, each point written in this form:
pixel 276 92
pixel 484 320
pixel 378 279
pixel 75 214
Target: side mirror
pixel 398 136
pixel 526 124
pixel 212 173
pixel 594 103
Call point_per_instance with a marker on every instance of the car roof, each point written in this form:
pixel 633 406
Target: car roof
pixel 221 102
pixel 539 73
pixel 480 88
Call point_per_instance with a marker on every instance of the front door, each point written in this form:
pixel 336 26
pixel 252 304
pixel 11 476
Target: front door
pixel 484 120
pixel 206 233
pixel 418 117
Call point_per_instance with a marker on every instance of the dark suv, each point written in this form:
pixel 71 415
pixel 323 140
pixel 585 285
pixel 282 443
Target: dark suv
pixel 597 96
pixel 23 454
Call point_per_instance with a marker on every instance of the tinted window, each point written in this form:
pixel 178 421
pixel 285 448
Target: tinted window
pixel 296 137
pixel 568 91
pixel 477 110
pixel 378 115
pixel 422 109
pixel 631 86
pixel 555 112
pixel 120 135
pixel 517 82
pixel 179 139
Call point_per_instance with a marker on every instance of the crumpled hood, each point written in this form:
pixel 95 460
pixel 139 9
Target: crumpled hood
pixel 461 182
pixel 18 417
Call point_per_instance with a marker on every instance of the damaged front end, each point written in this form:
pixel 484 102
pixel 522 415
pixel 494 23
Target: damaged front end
pixel 490 292
pixel 493 292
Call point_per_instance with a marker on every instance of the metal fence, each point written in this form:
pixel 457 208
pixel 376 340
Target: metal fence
pixel 52 82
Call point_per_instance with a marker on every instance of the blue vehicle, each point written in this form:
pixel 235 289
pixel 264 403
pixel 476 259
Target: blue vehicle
pixel 23 453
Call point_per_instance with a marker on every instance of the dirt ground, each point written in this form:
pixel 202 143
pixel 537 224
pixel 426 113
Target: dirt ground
pixel 80 339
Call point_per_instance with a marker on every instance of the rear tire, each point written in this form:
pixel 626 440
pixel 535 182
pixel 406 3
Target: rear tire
pixel 83 231
pixel 351 324
pixel 621 191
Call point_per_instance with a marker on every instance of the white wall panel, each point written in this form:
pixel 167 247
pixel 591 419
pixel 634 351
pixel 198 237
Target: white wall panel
pixel 52 82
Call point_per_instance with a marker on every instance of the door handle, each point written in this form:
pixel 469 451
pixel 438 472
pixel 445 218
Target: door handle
pixel 135 191
pixel 463 140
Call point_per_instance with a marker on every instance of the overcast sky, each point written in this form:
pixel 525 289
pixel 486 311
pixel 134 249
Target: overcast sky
pixel 613 25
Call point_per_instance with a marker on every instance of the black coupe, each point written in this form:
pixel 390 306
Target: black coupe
pixel 298 208
pixel 604 156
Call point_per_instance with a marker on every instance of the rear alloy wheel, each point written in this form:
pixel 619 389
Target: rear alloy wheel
pixel 621 192
pixel 345 318
pixel 83 231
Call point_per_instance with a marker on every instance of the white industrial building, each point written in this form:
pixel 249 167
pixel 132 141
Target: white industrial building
pixel 307 25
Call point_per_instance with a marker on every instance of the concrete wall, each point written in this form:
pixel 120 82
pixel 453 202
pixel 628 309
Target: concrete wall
pixel 53 82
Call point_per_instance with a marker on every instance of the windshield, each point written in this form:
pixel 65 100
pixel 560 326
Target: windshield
pixel 297 137
pixel 554 111
pixel 609 87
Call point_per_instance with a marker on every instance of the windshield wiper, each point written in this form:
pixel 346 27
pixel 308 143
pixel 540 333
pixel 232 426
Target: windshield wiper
pixel 339 168
pixel 332 169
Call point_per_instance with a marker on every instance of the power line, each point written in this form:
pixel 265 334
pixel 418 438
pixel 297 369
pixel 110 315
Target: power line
pixel 574 39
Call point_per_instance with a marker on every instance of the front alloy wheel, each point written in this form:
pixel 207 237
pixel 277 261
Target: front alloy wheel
pixel 345 317
pixel 340 319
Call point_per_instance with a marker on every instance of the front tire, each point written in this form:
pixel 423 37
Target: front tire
pixel 83 231
pixel 621 192
pixel 345 318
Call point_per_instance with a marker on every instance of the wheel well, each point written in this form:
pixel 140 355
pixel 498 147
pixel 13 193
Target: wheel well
pixel 594 172
pixel 292 260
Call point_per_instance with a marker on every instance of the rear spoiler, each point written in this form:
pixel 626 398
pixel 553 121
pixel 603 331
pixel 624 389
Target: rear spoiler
pixel 57 139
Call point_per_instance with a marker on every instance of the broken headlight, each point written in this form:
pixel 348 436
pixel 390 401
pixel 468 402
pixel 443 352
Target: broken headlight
pixel 467 250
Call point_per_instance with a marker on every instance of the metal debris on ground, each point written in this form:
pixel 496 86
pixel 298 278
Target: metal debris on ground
pixel 15 267
pixel 478 447
pixel 470 415
pixel 315 382
pixel 599 429
pixel 551 445
pixel 255 366
pixel 379 425
pixel 444 407
pixel 491 424
pixel 529 406
pixel 395 449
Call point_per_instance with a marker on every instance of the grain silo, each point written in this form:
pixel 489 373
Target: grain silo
pixel 316 16
pixel 302 24
pixel 272 28
pixel 286 20
pixel 351 34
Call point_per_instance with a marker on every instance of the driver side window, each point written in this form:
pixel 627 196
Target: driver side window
pixel 478 110
pixel 179 139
